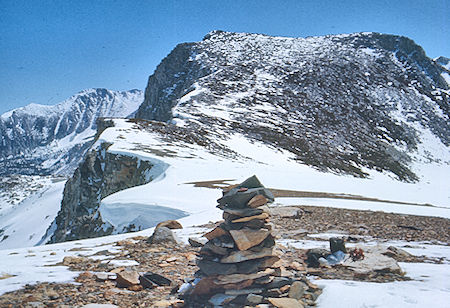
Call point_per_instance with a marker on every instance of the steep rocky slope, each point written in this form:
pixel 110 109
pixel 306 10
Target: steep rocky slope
pixel 39 139
pixel 99 175
pixel 340 103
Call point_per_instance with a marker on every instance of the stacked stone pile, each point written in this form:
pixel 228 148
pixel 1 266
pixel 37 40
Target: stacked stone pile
pixel 239 266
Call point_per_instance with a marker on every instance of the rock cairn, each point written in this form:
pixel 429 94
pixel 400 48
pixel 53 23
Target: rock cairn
pixel 238 265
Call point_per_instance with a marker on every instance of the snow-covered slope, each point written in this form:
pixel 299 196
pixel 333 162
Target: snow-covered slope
pixel 179 156
pixel 340 103
pixel 25 217
pixel 39 139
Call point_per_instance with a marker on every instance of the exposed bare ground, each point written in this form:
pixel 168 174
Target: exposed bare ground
pixel 223 184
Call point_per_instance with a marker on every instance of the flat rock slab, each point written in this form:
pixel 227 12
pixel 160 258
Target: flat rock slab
pixel 216 268
pixel 374 261
pixel 247 238
pixel 235 278
pixel 285 303
pixel 245 219
pixel 245 212
pixel 244 255
pixel 257 201
pixel 216 232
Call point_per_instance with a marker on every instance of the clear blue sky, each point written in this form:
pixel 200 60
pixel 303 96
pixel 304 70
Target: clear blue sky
pixel 50 50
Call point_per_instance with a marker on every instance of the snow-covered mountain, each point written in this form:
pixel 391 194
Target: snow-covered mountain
pixel 39 139
pixel 370 108
pixel 339 103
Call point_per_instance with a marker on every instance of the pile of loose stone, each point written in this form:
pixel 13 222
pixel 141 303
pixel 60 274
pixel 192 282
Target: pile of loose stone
pixel 239 265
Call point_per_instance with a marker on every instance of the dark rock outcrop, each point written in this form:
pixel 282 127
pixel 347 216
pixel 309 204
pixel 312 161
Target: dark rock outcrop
pixel 100 175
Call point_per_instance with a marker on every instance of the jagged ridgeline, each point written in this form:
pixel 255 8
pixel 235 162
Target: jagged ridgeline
pixel 44 140
pixel 340 102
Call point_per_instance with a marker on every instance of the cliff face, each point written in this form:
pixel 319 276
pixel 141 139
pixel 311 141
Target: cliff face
pixel 339 103
pixel 98 176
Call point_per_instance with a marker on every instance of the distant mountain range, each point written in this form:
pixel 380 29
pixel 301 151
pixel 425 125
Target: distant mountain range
pixel 43 140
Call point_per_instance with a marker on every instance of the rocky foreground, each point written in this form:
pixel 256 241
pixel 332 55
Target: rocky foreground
pixel 97 282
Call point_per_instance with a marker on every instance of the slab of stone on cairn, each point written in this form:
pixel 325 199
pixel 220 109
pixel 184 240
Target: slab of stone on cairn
pixel 238 265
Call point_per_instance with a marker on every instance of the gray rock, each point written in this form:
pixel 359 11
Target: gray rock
pixel 254 299
pixel 216 268
pixel 163 235
pixel 278 282
pixel 297 289
pixel 221 299
pixel 197 242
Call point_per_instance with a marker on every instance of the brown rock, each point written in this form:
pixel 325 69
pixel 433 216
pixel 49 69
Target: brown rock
pixel 245 219
pixel 73 260
pixel 127 278
pixel 171 224
pixel 204 286
pixel 269 262
pixel 244 255
pixel 285 303
pixel 117 270
pixel 216 232
pixel 168 303
pixel 135 287
pixel 246 238
pixel 84 276
pixel 238 286
pixel 297 290
pixel 257 201
pixel 235 278
pixel 296 266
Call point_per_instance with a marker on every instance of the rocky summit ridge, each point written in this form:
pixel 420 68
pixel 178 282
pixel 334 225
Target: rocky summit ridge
pixel 339 103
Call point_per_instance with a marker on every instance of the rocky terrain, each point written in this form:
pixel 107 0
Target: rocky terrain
pixel 175 261
pixel 100 175
pixel 339 103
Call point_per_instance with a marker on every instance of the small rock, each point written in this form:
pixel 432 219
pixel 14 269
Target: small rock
pixel 168 303
pixel 69 260
pixel 297 290
pixel 157 278
pixel 196 242
pixel 254 299
pixel 216 232
pixel 285 303
pixel 221 299
pixel 52 294
pixel 257 201
pixel 247 238
pixel 245 219
pixel 101 276
pixel 117 270
pixel 240 256
pixel 146 283
pixel 171 224
pixel 163 235
pixel 278 282
pixel 127 278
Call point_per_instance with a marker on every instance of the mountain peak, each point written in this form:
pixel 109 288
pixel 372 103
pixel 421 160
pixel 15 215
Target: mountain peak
pixel 337 102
